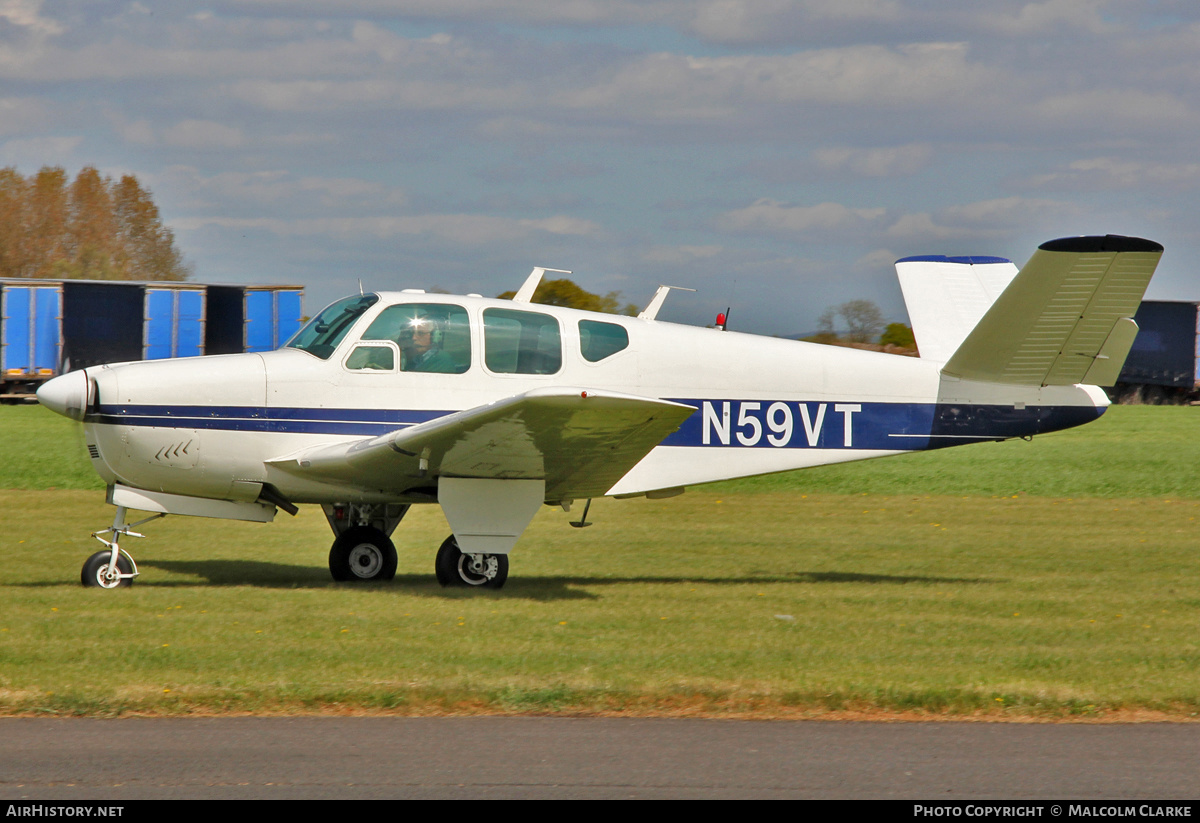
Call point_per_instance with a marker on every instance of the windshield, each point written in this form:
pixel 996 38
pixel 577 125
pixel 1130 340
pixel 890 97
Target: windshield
pixel 323 333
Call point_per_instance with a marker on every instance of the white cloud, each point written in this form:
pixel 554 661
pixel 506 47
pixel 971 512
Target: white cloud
pixel 747 21
pixel 1095 173
pixel 1118 111
pixel 35 152
pixel 203 135
pixel 680 255
pixel 234 191
pixel 21 114
pixel 464 229
pixel 773 217
pixel 995 218
pixel 668 86
pixel 876 162
pixel 1039 18
pixel 27 14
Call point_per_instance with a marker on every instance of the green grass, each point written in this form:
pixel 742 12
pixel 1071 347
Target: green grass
pixel 1131 451
pixel 787 596
pixel 41 450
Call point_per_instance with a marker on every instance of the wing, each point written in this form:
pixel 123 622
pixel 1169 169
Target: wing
pixel 580 442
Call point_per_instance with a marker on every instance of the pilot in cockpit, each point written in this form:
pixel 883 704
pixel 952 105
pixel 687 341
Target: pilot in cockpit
pixel 421 344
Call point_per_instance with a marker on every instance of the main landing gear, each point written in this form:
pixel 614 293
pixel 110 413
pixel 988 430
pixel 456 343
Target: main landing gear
pixel 363 551
pixel 113 567
pixel 487 571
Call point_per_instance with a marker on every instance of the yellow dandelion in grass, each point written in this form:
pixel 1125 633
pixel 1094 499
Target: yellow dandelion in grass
pixel 562 622
pixel 166 691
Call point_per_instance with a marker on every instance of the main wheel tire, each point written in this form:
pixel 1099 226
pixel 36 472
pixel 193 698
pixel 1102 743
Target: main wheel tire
pixel 362 554
pixel 95 571
pixel 453 568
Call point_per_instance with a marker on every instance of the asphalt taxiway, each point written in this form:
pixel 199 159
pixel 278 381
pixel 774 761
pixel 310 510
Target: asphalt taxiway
pixel 541 757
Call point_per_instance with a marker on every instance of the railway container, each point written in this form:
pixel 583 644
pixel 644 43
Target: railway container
pixel 48 326
pixel 115 321
pixel 252 318
pixel 30 332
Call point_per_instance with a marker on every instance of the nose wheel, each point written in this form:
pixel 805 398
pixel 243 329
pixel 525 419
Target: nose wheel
pixel 113 567
pixel 456 568
pixel 99 571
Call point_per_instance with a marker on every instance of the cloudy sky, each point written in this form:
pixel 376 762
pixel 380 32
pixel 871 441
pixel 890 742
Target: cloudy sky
pixel 775 155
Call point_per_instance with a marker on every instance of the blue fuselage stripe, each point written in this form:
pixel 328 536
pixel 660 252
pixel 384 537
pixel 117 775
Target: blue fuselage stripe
pixel 715 423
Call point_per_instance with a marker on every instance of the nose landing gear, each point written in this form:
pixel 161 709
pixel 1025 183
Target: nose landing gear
pixel 113 567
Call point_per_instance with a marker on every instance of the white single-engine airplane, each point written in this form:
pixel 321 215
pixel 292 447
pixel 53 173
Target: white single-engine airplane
pixel 491 408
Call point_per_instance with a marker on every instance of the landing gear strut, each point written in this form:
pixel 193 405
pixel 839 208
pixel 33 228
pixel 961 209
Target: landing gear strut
pixel 454 568
pixel 113 567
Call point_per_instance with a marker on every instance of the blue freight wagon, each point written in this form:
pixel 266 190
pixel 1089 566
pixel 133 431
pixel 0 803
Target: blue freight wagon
pixel 252 318
pixel 114 321
pixel 48 326
pixel 30 333
pixel 1164 364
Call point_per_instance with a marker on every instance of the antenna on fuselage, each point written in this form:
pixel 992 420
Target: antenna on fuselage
pixel 525 293
pixel 651 310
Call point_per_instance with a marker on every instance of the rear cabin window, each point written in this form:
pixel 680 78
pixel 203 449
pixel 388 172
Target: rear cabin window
pixel 431 337
pixel 600 340
pixel 323 333
pixel 521 342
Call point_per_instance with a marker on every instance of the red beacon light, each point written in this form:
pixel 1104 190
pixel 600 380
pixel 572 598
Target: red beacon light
pixel 721 318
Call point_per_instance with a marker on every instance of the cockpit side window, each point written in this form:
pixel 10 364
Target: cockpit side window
pixel 599 340
pixel 325 331
pixel 431 337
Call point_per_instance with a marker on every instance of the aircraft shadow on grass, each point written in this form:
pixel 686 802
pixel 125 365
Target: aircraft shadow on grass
pixel 262 574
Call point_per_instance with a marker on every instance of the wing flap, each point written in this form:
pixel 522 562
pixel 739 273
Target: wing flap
pixel 580 442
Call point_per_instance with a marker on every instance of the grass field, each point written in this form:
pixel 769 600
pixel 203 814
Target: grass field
pixel 1024 580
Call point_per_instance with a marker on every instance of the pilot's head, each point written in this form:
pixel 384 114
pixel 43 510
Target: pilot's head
pixel 422 334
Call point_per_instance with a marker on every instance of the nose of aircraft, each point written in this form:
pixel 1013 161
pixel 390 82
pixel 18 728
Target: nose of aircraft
pixel 66 394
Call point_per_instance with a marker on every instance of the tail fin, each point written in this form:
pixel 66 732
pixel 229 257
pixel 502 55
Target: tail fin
pixel 1067 316
pixel 948 296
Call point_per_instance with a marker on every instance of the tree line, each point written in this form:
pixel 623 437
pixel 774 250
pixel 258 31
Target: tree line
pixel 864 325
pixel 92 227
